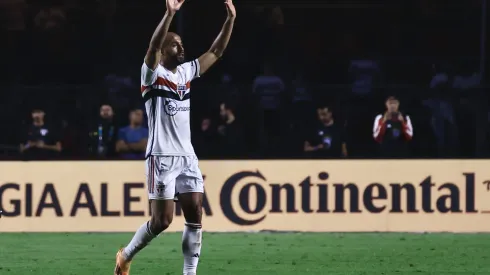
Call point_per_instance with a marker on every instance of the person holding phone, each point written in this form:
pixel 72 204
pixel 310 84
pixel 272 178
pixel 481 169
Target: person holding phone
pixel 393 130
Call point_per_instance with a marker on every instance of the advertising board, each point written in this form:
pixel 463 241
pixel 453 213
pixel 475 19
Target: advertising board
pixel 314 196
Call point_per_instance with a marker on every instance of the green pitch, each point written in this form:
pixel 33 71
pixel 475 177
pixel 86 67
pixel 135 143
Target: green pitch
pixel 256 254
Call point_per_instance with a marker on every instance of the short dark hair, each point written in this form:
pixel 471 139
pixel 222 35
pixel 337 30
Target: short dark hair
pixel 136 109
pixel 392 97
pixel 37 110
pixel 324 106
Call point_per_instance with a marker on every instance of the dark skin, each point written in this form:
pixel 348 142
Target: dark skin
pixel 38 120
pixel 325 116
pixel 166 49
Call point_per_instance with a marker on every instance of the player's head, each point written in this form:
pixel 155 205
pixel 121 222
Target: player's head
pixel 173 50
pixel 136 117
pixel 226 110
pixel 392 104
pixel 37 116
pixel 106 112
pixel 324 114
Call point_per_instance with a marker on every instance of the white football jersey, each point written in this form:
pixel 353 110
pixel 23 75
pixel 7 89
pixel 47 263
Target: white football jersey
pixel 167 101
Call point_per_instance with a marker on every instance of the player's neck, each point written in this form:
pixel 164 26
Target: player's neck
pixel 134 125
pixel 169 66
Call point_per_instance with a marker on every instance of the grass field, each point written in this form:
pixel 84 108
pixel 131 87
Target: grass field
pixel 263 253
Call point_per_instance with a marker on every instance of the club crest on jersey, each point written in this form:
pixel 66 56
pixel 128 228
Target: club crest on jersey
pixel 181 90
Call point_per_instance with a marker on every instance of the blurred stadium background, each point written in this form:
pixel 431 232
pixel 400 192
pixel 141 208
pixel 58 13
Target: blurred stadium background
pixel 285 127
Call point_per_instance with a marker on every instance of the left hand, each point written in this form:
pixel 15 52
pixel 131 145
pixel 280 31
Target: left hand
pixel 230 8
pixel 174 5
pixel 400 117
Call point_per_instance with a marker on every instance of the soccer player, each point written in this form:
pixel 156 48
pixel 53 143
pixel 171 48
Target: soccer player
pixel 171 164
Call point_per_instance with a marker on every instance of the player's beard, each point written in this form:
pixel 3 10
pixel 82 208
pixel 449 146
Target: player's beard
pixel 180 59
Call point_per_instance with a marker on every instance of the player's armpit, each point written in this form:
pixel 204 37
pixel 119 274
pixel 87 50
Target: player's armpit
pixel 206 61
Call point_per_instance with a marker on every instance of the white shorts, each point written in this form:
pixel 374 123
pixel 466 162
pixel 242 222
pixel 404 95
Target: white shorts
pixel 168 176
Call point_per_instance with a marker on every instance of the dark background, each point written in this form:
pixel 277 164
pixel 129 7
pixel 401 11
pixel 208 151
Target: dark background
pixel 56 55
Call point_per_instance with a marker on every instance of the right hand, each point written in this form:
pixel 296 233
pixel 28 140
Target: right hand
pixel 230 9
pixel 386 117
pixel 174 5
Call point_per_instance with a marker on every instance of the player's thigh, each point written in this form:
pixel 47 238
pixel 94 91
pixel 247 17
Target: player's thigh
pixel 161 172
pixel 190 180
pixel 190 190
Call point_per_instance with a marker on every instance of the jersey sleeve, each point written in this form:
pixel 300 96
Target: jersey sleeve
pixel 191 69
pixel 379 128
pixel 148 76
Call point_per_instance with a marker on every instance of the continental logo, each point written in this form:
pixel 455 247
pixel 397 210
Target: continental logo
pixel 339 198
pixel 247 198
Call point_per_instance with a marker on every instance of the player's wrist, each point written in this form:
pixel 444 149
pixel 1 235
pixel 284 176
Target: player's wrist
pixel 170 13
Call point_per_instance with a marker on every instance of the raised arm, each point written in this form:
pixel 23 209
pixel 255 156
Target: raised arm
pixel 218 48
pixel 154 52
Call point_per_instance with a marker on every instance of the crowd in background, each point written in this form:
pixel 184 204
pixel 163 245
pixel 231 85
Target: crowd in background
pixel 298 80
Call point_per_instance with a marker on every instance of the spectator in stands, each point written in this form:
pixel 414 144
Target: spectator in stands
pixel 226 89
pixel 230 132
pixel 269 90
pixel 442 119
pixel 393 130
pixel 327 139
pixel 103 134
pixel 132 139
pixel 40 140
pixel 205 140
pixel 300 96
pixel 363 73
pixel 48 18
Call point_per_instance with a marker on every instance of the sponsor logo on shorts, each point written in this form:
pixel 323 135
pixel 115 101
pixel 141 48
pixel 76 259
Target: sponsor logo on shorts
pixel 160 188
